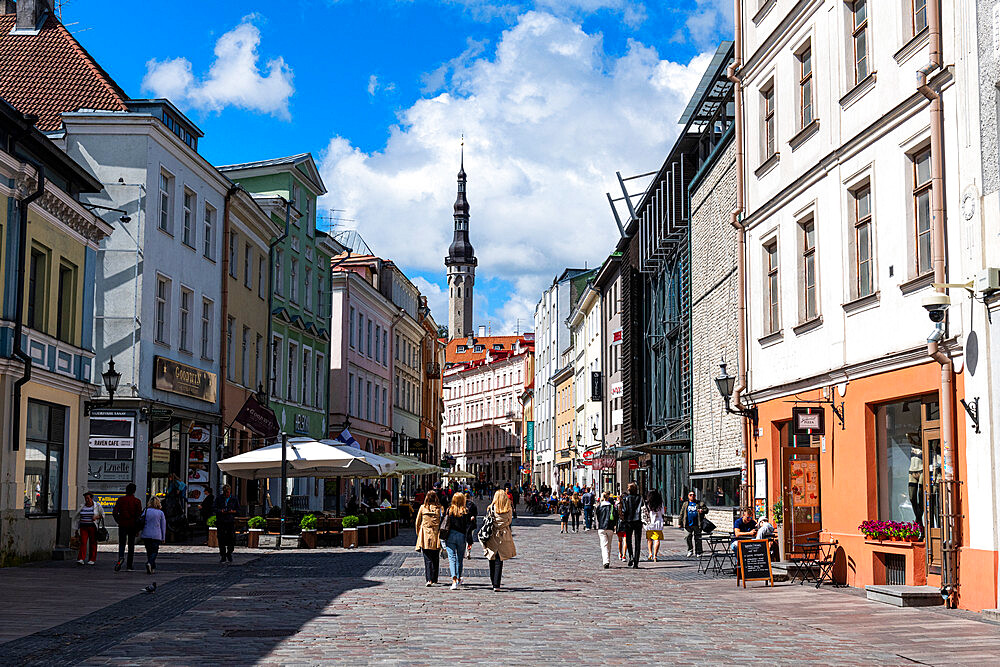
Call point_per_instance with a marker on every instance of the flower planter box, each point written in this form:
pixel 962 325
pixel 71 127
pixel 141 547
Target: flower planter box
pixel 362 536
pixel 213 538
pixel 350 539
pixel 253 537
pixel 307 539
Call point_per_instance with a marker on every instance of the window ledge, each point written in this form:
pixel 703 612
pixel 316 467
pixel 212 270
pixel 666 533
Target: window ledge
pixel 188 246
pixel 858 91
pixel 162 344
pixel 767 165
pixel 764 10
pixel 168 233
pixel 914 44
pixel 771 338
pixel 211 259
pixel 864 303
pixel 804 134
pixel 808 325
pixel 917 284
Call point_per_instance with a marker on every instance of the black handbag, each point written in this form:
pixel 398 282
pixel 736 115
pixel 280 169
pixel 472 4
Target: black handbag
pixel 489 526
pixel 102 532
pixel 445 528
pixel 707 526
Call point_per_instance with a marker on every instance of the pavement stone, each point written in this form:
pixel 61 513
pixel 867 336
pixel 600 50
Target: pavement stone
pixel 558 605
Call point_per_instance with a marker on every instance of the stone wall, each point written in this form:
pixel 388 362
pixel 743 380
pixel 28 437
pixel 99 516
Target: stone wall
pixel 715 433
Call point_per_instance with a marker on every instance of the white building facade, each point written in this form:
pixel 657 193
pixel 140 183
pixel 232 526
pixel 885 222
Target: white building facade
pixel 590 385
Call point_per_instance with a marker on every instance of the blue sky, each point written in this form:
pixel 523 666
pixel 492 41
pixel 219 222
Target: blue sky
pixel 554 95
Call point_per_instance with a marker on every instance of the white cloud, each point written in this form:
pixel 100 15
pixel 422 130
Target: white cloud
pixel 437 298
pixel 709 19
pixel 374 86
pixel 235 78
pixel 548 119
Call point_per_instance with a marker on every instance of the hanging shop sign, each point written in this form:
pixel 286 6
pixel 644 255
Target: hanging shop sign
pixel 301 424
pixel 808 421
pixel 596 386
pixel 616 337
pixel 258 418
pixel 633 464
pixel 178 378
pixel 529 436
pixel 110 471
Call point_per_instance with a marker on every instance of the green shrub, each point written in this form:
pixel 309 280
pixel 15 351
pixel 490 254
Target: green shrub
pixel 378 516
pixel 363 520
pixel 351 521
pixel 309 522
pixel 257 522
pixel 211 521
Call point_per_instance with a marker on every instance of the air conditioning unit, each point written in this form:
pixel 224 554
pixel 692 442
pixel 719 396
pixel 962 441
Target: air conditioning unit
pixel 988 281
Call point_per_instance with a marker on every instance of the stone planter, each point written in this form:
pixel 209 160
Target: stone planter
pixel 350 538
pixel 213 538
pixel 253 537
pixel 307 539
pixel 362 536
pixel 381 532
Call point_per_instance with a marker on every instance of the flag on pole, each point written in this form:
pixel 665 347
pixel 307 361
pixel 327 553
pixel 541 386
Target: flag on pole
pixel 348 439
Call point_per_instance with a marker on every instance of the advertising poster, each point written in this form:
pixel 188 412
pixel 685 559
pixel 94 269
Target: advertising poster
pixel 804 477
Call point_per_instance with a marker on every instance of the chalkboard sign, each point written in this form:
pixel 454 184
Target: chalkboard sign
pixel 753 561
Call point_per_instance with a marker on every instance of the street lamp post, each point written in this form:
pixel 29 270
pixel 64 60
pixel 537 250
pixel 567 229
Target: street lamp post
pixel 111 378
pixel 725 383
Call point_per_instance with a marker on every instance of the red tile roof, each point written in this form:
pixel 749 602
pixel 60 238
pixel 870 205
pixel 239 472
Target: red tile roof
pixel 453 356
pixel 50 73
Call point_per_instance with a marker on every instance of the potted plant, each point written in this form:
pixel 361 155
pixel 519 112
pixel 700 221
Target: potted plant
pixel 378 521
pixel 350 526
pixel 363 530
pixel 255 526
pixel 308 524
pixel 213 532
pixel 891 531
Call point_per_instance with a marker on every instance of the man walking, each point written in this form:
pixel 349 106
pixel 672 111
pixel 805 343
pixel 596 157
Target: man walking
pixel 693 512
pixel 607 523
pixel 126 513
pixel 225 521
pixel 588 508
pixel 632 516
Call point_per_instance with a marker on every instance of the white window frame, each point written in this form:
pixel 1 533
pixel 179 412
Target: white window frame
pixel 164 287
pixel 208 232
pixel 165 222
pixel 184 309
pixel 207 338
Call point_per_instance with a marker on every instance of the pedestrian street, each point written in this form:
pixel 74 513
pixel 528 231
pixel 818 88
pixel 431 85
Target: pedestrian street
pixel 370 606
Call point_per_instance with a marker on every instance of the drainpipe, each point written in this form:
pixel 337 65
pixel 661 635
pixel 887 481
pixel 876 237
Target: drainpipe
pixel 949 546
pixel 19 352
pixel 741 244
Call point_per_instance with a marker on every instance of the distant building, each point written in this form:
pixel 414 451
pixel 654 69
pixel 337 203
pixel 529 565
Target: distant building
pixel 482 426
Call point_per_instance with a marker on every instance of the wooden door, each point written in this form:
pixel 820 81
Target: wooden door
pixel 930 436
pixel 800 492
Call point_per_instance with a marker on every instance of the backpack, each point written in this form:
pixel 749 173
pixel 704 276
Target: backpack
pixel 489 526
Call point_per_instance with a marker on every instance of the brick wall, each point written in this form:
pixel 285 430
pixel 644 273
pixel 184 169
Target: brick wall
pixel 715 434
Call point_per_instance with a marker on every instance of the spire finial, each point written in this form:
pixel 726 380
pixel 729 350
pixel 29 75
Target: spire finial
pixel 463 152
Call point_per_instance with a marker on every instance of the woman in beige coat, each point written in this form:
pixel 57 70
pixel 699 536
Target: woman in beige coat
pixel 500 546
pixel 429 535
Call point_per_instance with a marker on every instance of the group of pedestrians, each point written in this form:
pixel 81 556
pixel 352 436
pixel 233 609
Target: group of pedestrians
pixel 148 524
pixel 455 530
pixel 629 518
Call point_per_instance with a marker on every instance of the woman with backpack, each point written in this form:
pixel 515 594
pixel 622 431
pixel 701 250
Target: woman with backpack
pixel 652 519
pixel 154 532
pixel 454 528
pixel 428 527
pixel 496 536
pixel 631 515
pixel 607 524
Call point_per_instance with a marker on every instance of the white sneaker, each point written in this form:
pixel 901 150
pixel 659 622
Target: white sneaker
pixel 690 553
pixel 454 585
pixel 90 562
pixel 80 562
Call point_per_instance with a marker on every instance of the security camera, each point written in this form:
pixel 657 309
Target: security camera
pixel 936 304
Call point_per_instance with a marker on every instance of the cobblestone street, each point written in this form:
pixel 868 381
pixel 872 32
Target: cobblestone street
pixel 371 606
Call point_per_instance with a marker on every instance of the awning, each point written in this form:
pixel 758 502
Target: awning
pixel 305 458
pixel 407 465
pixel 623 453
pixel 675 441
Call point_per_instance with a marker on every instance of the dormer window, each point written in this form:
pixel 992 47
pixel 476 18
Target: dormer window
pixel 461 349
pixel 498 346
pixel 479 348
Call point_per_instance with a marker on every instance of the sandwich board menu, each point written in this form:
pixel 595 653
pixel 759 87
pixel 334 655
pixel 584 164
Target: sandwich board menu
pixel 753 558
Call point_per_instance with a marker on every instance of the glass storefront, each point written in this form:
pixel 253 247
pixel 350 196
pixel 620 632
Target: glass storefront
pixel 721 489
pixel 45 435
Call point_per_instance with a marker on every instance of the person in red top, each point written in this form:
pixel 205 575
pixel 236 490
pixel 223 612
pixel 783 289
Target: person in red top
pixel 126 513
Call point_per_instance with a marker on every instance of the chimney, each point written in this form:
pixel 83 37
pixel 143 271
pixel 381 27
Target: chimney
pixel 29 14
pixel 8 7
pixel 482 331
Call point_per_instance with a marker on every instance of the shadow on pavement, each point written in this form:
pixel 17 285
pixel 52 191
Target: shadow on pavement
pixel 238 613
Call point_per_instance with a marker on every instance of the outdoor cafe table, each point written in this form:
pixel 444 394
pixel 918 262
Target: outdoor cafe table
pixel 818 556
pixel 720 556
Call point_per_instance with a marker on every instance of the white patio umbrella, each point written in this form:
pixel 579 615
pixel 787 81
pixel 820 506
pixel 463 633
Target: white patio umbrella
pixel 306 458
pixel 364 464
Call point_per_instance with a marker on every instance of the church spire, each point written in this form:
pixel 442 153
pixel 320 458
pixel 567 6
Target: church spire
pixel 461 263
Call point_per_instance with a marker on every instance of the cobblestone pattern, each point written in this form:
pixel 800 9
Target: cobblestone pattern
pixel 558 605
